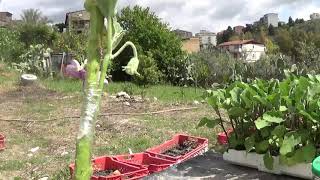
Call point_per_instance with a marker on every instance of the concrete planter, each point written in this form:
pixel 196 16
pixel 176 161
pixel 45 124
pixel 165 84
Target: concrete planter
pixel 254 160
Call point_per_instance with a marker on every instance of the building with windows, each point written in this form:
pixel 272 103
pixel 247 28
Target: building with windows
pixel 268 19
pixel 5 19
pixel 183 34
pixel 77 21
pixel 247 50
pixel 207 39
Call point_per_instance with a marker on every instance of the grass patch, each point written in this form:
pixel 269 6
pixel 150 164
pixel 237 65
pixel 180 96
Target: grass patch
pixel 12 165
pixel 63 85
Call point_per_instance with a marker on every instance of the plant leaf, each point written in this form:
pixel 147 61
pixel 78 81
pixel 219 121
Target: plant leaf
pixel 289 142
pixel 283 108
pixel 272 119
pixel 262 147
pixel 309 153
pixel 236 111
pixel 261 123
pixel 279 131
pixel 210 123
pixel 249 143
pixel 268 161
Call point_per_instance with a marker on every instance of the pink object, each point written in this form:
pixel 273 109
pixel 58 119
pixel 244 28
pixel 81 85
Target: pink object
pixel 2 142
pixel 223 137
pixel 179 139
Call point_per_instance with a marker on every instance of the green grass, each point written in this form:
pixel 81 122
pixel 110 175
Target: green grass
pixel 165 93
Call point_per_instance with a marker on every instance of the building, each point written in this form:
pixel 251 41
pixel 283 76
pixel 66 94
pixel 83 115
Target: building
pixel 183 34
pixel 238 29
pixel 5 19
pixel 77 21
pixel 248 50
pixel 314 16
pixel 207 39
pixel 191 45
pixel 268 19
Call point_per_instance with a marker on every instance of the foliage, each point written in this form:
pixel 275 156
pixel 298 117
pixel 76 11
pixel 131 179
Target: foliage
pixel 10 46
pixel 274 118
pixel 33 16
pixel 32 34
pixel 149 72
pixel 72 43
pixel 147 31
pixel 33 61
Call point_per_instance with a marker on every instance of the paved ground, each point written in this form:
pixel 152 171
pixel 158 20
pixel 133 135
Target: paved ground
pixel 212 166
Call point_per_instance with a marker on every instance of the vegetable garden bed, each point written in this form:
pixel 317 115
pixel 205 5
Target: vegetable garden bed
pixel 275 122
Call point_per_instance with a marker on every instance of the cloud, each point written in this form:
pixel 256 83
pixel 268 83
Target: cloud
pixel 193 15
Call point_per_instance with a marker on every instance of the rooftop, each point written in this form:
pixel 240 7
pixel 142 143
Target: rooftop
pixel 239 42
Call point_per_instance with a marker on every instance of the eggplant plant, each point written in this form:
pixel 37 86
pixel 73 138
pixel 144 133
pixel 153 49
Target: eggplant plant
pixel 274 118
pixel 102 19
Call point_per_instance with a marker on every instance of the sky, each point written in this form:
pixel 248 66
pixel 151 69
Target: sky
pixel 191 15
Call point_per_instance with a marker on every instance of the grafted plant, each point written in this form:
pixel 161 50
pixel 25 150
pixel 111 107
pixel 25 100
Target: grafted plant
pixel 102 15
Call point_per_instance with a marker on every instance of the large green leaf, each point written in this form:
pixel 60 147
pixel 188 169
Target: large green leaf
pixel 249 143
pixel 118 33
pixel 236 111
pixel 261 123
pixel 289 161
pixel 262 147
pixel 307 116
pixel 279 131
pixel 210 123
pixel 268 161
pixel 272 119
pixel 283 108
pixel 289 143
pixel 309 153
pixel 107 7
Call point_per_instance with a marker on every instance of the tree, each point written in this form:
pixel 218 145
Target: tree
pixel 60 27
pixel 290 22
pixel 271 30
pixel 147 31
pixel 248 35
pixel 33 16
pixel 285 42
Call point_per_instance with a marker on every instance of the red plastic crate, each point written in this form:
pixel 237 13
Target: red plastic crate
pixel 154 164
pixel 176 140
pixel 2 142
pixel 128 172
pixel 223 137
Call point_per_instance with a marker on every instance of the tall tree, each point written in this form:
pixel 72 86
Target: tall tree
pixel 271 30
pixel 33 16
pixel 154 37
pixel 290 22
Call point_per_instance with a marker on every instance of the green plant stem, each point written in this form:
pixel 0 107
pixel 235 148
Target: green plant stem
pixel 221 124
pixel 108 56
pixel 135 53
pixel 91 99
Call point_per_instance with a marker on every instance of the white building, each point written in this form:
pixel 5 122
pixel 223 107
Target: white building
pixel 314 16
pixel 207 39
pixel 248 50
pixel 271 19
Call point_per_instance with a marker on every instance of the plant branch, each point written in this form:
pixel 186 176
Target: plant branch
pixel 129 43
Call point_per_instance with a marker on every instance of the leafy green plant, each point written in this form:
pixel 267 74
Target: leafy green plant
pixel 33 61
pixel 101 11
pixel 10 46
pixel 274 118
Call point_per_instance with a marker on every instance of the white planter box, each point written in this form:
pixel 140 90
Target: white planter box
pixel 254 160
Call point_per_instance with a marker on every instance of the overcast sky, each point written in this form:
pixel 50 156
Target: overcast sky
pixel 193 15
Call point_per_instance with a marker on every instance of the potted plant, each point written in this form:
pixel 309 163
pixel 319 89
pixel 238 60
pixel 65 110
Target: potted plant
pixel 275 124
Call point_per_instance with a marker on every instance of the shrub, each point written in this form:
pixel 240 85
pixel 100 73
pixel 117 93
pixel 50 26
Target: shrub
pixel 32 34
pixel 149 72
pixel 271 117
pixel 71 43
pixel 33 61
pixel 10 46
